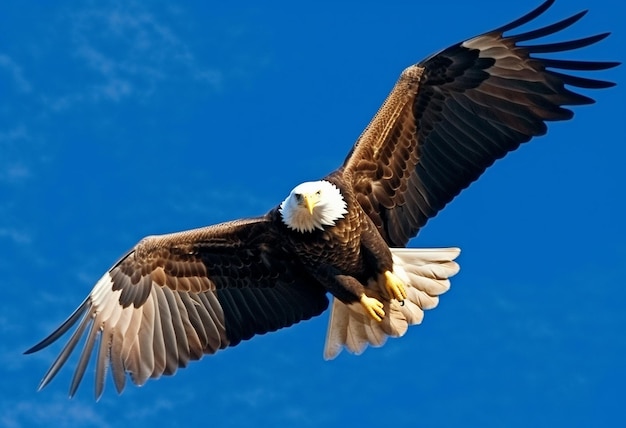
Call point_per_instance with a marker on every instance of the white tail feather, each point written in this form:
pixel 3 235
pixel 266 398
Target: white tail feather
pixel 425 273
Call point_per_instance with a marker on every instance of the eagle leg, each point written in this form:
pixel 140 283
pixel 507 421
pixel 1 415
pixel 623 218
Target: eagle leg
pixel 394 286
pixel 373 307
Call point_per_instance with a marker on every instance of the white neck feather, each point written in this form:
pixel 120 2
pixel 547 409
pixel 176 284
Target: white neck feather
pixel 328 208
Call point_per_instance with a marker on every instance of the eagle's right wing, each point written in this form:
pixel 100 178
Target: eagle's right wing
pixel 175 297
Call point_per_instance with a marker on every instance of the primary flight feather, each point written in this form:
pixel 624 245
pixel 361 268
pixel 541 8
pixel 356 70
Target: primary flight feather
pixel 174 298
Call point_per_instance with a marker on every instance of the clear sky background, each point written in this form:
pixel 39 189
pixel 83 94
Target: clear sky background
pixel 120 119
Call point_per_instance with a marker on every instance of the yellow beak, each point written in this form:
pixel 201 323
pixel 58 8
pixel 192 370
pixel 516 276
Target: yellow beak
pixel 309 201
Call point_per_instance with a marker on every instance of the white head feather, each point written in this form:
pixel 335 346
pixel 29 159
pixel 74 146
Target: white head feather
pixel 312 205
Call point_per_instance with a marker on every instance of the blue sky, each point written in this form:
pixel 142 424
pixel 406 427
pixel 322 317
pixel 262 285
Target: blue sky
pixel 120 119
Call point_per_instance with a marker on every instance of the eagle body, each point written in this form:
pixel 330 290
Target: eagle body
pixel 345 257
pixel 176 297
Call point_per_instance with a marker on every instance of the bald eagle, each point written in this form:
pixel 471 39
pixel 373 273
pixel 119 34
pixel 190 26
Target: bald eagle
pixel 173 298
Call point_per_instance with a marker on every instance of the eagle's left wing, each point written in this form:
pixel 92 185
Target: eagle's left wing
pixel 175 297
pixel 454 114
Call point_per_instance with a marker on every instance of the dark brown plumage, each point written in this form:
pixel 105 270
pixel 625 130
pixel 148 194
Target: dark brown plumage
pixel 176 297
pixel 460 110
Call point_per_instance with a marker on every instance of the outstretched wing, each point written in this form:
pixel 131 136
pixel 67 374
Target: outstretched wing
pixel 175 297
pixel 452 115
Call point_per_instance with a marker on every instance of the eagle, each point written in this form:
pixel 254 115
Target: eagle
pixel 176 297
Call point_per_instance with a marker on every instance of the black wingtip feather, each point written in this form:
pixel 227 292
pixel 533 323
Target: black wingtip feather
pixel 65 352
pixel 549 29
pixel 63 328
pixel 526 18
pixel 566 46
pixel 582 82
pixel 79 372
pixel 579 65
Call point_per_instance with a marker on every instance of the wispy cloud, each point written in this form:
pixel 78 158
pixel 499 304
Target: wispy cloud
pixel 128 51
pixel 55 412
pixel 19 132
pixel 15 173
pixel 9 66
pixel 14 168
pixel 17 236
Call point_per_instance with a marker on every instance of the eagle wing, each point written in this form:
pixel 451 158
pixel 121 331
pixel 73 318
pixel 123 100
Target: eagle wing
pixel 454 114
pixel 175 297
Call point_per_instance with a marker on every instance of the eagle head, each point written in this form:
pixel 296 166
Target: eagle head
pixel 312 205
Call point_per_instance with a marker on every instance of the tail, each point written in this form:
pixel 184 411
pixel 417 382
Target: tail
pixel 425 273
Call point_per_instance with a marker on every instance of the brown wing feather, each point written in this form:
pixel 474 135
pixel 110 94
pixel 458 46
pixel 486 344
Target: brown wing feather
pixel 452 115
pixel 176 297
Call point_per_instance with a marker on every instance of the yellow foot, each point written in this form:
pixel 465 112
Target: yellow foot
pixel 373 307
pixel 395 286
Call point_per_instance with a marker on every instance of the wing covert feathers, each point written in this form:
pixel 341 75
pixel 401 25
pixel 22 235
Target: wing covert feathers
pixel 425 273
pixel 451 116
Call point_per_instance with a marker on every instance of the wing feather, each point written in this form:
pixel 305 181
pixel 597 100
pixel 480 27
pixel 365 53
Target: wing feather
pixel 84 359
pixel 180 338
pixel 117 342
pixel 569 45
pixel 174 298
pixel 212 313
pixel 69 347
pixel 159 346
pixel 549 29
pixel 454 114
pixel 102 361
pixel 145 342
pixel 193 327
